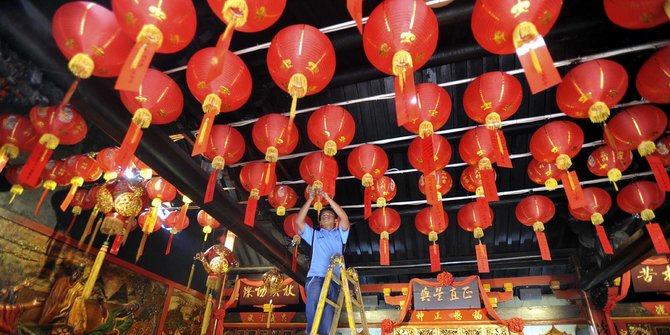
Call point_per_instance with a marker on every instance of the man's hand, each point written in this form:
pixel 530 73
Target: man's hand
pixel 311 193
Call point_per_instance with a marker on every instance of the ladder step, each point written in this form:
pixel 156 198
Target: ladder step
pixel 332 303
pixel 336 280
pixel 356 303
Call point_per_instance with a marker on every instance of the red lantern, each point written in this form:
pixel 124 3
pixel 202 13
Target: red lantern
pixel 638 127
pixel 90 37
pixel 282 197
pixel 235 14
pixel 301 61
pixel 653 79
pixel 225 145
pixel 590 89
pixel 503 26
pixel 207 222
pixel 367 163
pixel 471 180
pixel 163 26
pixel 477 148
pixel 77 203
pixel 472 219
pixel 273 136
pixel 107 161
pixel 320 171
pixel 176 224
pixel 226 92
pixel 158 101
pixel 443 185
pixel 640 14
pixel 663 150
pixel 534 211
pixel 434 109
pixel 383 190
pixel 55 174
pixel 428 224
pixel 319 202
pixel 385 221
pixel 83 169
pixel 557 142
pixel 544 173
pixel 16 135
pixel 643 197
pixel 598 203
pixel 441 157
pixel 55 126
pixel 12 175
pixel 606 161
pixel 255 179
pixel 148 225
pixel 399 38
pixel 159 191
pixel 291 229
pixel 331 128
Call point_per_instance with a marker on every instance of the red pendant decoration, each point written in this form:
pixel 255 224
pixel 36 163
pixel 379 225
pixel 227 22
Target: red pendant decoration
pixel 158 101
pixel 331 128
pixel 653 79
pixel 12 175
pixel 505 26
pixel 16 135
pixel 91 38
pixel 225 145
pixel 155 26
pixel 291 230
pixel 226 92
pixel 477 147
pixel 590 89
pixel 639 14
pixel 148 226
pixel 638 127
pixel 83 169
pixel 399 38
pixel 598 203
pixel 175 223
pixel 319 171
pixel 255 179
pixel 55 174
pixel 55 126
pixel 385 221
pixel 248 16
pixel 534 211
pixel 610 163
pixel 282 197
pixel 471 219
pixel 383 190
pixel 301 61
pixel 544 173
pixel 367 163
pixel 207 222
pixel 428 224
pixel 642 198
pixel 557 142
pixel 273 135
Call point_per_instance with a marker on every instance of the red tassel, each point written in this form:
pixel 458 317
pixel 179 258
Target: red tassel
pixel 129 145
pixel 118 241
pixel 39 202
pixel 660 174
pixel 438 214
pixel 435 257
pixel 269 172
pixel 544 246
pixel 355 8
pixel 183 215
pixel 294 263
pixel 430 184
pixel 69 93
pixel 330 175
pixel 534 55
pixel 69 197
pixel 32 169
pixel 483 209
pixel 573 190
pixel 503 159
pixel 657 238
pixel 136 66
pixel 367 204
pixel 482 258
pixel 211 185
pixel 604 242
pixel 489 184
pixel 169 244
pixel 250 213
pixel 220 51
pixel 201 141
pixel 427 154
pixel 384 258
pixel 400 107
pixel 69 227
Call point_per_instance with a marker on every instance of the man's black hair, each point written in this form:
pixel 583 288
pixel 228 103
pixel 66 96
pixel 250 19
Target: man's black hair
pixel 330 210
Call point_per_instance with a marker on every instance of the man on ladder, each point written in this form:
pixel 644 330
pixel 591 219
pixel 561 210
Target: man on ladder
pixel 327 241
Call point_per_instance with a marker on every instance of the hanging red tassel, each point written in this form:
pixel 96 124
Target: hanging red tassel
pixel 41 201
pixel 384 254
pixel 201 140
pixel 435 257
pixel 657 238
pixel 69 227
pixel 211 185
pixel 503 159
pixel 430 183
pixel 169 244
pixel 659 171
pixel 427 154
pixel 32 169
pixel 537 64
pixel 118 241
pixel 74 185
pixel 489 184
pixel 483 209
pixel 69 93
pixel 482 258
pixel 544 246
pixel 219 52
pixel 136 66
pixel 330 175
pixel 250 213
pixel 129 145
pixel 355 8
pixel 604 241
pixel 367 203
pixel 294 262
pixel 183 211
pixel 405 98
pixel 573 190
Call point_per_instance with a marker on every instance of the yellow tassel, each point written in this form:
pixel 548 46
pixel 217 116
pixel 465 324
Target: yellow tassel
pixel 597 219
pixel 385 235
pixel 15 190
pixel 647 215
pixel 318 206
pixel 432 236
pixel 367 180
pixel 330 148
pixel 666 8
pixel 493 120
pixel 50 141
pixel 484 164
pixel 81 65
pixel 402 62
pixel 95 270
pixel 599 112
pixel 646 148
pixel 563 162
pixel 89 224
pixel 207 316
pixel 219 163
pixel 381 202
pixel 551 184
pixel 281 210
pixel 140 249
pixel 538 226
pixel 523 33
pixel 478 233
pixel 190 276
pixel 10 150
pixel 425 129
pixel 271 154
pixel 479 192
pixel 142 117
pixel 95 233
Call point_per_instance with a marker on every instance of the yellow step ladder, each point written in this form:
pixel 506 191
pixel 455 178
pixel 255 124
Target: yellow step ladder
pixel 347 277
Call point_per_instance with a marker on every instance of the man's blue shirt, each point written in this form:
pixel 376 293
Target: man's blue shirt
pixel 326 244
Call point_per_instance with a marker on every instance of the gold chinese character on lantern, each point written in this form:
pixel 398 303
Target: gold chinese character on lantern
pixel 647 274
